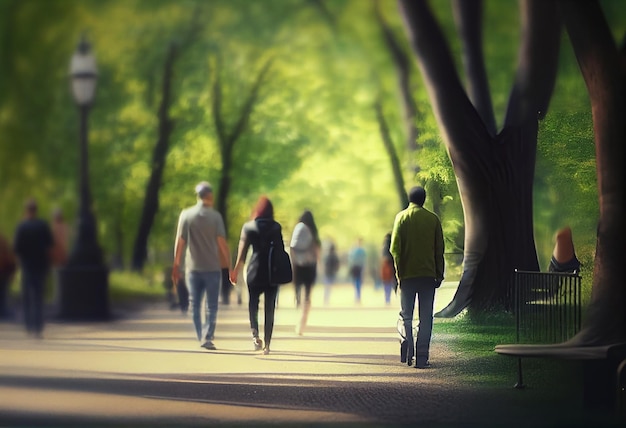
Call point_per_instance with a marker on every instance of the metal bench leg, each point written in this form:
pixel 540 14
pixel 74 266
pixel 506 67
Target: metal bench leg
pixel 520 382
pixel 620 405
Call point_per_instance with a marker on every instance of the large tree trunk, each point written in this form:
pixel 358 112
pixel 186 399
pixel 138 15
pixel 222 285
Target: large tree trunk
pixel 151 201
pixel 604 72
pixel 494 173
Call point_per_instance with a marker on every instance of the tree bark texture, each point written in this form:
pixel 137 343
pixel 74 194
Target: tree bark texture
pixel 227 140
pixel 159 156
pixel 393 156
pixel 494 172
pixel 403 74
pixel 603 67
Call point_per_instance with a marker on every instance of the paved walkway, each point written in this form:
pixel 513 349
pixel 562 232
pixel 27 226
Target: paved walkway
pixel 146 368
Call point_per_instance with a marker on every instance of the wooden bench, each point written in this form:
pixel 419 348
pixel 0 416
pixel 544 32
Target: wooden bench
pixel 547 307
pixel 604 377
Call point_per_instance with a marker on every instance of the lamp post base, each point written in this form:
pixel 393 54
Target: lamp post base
pixel 83 293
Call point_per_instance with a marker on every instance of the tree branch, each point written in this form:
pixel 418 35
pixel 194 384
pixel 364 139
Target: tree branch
pixel 456 115
pixel 537 62
pixel 220 127
pixel 468 18
pixel 391 151
pixel 403 70
pixel 248 106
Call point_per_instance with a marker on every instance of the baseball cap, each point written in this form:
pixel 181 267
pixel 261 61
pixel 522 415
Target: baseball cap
pixel 203 188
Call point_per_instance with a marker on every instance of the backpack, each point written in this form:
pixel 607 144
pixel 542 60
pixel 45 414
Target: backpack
pixel 303 246
pixel 279 265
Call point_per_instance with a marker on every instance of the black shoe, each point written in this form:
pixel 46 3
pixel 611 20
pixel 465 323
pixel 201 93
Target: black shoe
pixel 209 345
pixel 422 365
pixel 409 360
pixel 403 350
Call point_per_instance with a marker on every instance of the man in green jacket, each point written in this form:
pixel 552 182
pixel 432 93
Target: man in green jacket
pixel 417 248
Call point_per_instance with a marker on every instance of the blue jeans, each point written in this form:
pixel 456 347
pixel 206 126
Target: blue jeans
pixel 201 285
pixel 357 278
pixel 424 289
pixel 388 286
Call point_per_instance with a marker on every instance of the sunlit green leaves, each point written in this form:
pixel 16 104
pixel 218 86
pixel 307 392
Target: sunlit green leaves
pixel 312 140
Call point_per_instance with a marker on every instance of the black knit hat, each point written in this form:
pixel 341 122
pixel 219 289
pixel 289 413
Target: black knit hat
pixel 417 195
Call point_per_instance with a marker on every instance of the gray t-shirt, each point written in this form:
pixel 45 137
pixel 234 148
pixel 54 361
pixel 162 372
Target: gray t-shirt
pixel 200 226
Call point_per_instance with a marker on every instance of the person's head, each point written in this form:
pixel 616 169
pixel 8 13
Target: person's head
pixel 57 215
pixel 307 218
pixel 417 195
pixel 30 208
pixel 204 190
pixel 263 208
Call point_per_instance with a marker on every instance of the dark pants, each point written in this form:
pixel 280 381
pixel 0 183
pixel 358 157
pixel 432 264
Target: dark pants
pixel 270 307
pixel 4 295
pixel 32 299
pixel 304 276
pixel 226 287
pixel 424 290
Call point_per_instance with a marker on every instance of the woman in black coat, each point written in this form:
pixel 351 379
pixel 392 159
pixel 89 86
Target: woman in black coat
pixel 259 233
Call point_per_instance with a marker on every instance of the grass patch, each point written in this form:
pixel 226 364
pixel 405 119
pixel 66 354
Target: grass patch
pixel 474 339
pixel 132 287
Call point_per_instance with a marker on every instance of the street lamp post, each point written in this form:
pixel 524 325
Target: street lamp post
pixel 83 282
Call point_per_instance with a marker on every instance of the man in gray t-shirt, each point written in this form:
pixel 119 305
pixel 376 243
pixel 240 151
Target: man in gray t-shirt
pixel 201 234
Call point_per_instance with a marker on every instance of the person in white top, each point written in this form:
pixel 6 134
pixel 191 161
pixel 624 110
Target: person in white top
pixel 304 251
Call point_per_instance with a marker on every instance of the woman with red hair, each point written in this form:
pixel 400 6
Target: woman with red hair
pixel 259 233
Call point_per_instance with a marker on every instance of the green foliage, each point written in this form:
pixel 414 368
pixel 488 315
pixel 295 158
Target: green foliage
pixel 312 140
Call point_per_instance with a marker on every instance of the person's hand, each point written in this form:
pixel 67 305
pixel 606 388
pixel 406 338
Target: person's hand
pixel 438 282
pixel 233 277
pixel 175 275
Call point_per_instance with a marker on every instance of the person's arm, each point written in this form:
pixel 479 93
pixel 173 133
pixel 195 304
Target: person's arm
pixel 178 255
pixel 439 252
pixel 241 257
pixel 395 245
pixel 224 252
pixel 17 242
pixel 51 245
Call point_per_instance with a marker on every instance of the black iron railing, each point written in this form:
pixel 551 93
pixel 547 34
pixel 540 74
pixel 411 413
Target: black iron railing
pixel 547 306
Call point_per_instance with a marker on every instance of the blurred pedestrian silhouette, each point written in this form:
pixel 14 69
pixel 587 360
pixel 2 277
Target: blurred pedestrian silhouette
pixel 60 249
pixel 304 250
pixel 388 270
pixel 331 267
pixel 177 293
pixel 356 263
pixel 61 236
pixel 417 247
pixel 33 246
pixel 202 236
pixel 8 266
pixel 259 233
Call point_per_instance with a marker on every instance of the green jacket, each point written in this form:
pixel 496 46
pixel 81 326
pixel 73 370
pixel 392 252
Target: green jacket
pixel 417 244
